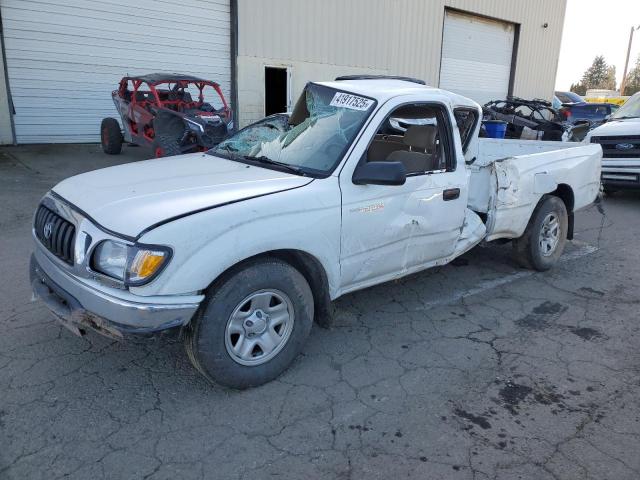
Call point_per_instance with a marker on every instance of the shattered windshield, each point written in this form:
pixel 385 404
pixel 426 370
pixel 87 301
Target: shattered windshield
pixel 630 109
pixel 312 140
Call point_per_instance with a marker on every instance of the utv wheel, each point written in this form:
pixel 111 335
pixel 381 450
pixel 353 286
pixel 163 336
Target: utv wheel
pixel 544 239
pixel 166 146
pixel 111 136
pixel 252 324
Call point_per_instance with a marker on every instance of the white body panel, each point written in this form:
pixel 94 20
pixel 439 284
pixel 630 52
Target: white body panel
pixel 153 191
pixel 617 128
pixel 215 213
pixel 508 187
pixel 65 58
pixel 388 232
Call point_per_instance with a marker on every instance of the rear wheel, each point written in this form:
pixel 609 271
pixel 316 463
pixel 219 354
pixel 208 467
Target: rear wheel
pixel 544 239
pixel 111 136
pixel 166 146
pixel 252 325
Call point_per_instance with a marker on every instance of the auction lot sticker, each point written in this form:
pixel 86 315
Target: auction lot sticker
pixel 354 102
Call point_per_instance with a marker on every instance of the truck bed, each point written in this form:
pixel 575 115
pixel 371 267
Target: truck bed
pixel 508 178
pixel 491 149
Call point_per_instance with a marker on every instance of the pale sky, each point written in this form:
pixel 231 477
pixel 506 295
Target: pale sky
pixel 597 27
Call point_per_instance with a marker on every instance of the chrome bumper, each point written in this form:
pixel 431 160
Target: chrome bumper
pixel 622 173
pixel 79 306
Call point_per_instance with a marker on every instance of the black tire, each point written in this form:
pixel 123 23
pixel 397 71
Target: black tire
pixel 111 136
pixel 166 146
pixel 205 337
pixel 608 191
pixel 528 249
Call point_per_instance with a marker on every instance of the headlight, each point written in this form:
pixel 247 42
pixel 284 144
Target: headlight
pixel 132 264
pixel 110 258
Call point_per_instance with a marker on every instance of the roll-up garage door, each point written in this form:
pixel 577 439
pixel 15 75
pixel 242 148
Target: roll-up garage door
pixel 65 57
pixel 476 56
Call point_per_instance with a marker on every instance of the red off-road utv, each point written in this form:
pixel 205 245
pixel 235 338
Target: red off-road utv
pixel 170 113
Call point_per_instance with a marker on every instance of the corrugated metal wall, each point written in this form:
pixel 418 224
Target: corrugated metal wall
pixel 64 57
pixel 396 36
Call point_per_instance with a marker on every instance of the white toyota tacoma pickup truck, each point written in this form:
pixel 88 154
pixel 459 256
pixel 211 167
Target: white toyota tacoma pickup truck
pixel 244 246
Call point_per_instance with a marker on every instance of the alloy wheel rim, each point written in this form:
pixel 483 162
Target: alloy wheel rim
pixel 259 327
pixel 549 234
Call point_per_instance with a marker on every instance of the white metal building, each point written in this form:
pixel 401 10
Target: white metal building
pixel 62 58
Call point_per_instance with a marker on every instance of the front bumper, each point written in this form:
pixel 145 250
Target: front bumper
pixel 621 173
pixel 80 306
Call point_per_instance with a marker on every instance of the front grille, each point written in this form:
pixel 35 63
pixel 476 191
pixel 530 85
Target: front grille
pixel 619 147
pixel 55 233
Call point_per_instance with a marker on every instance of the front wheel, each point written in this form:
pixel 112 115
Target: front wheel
pixel 253 324
pixel 544 239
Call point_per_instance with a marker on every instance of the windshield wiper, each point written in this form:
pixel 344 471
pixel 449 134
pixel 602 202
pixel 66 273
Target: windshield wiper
pixel 624 118
pixel 269 161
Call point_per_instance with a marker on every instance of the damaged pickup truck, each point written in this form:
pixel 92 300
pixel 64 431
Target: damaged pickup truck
pixel 243 247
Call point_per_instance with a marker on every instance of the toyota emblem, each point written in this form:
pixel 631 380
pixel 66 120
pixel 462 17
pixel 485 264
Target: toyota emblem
pixel 47 230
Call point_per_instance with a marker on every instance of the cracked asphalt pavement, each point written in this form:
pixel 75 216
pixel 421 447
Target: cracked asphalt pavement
pixel 477 370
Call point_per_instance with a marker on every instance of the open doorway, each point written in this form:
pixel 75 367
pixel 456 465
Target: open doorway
pixel 276 91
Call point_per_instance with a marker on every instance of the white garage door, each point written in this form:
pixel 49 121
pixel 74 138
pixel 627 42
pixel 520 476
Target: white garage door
pixel 476 56
pixel 65 57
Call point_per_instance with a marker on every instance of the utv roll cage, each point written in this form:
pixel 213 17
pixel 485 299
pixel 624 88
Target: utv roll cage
pixel 172 99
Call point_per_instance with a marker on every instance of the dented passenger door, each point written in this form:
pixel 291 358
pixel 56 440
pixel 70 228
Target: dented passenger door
pixel 391 230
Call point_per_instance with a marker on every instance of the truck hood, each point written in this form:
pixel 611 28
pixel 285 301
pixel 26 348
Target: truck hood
pixel 130 198
pixel 614 128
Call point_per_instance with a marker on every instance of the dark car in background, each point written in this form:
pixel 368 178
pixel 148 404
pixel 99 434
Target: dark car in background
pixel 595 113
pixel 566 97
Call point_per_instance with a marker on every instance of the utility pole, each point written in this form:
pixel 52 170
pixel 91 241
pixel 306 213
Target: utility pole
pixel 623 84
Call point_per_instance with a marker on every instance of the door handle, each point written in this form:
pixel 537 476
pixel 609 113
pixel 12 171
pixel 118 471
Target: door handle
pixel 450 194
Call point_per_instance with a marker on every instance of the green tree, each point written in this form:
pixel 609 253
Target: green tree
pixel 598 75
pixel 578 88
pixel 633 79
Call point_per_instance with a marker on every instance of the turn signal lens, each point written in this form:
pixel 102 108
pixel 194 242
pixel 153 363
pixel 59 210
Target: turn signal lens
pixel 145 264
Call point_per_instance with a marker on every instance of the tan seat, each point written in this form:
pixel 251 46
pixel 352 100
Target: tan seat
pixel 420 156
pixel 383 146
pixel 421 138
pixel 414 162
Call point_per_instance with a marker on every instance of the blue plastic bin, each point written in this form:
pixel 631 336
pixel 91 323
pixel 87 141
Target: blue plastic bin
pixel 495 128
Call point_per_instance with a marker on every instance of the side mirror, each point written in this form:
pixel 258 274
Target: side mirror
pixel 380 173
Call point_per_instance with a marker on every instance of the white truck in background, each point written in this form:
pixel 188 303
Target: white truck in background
pixel 243 247
pixel 619 138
